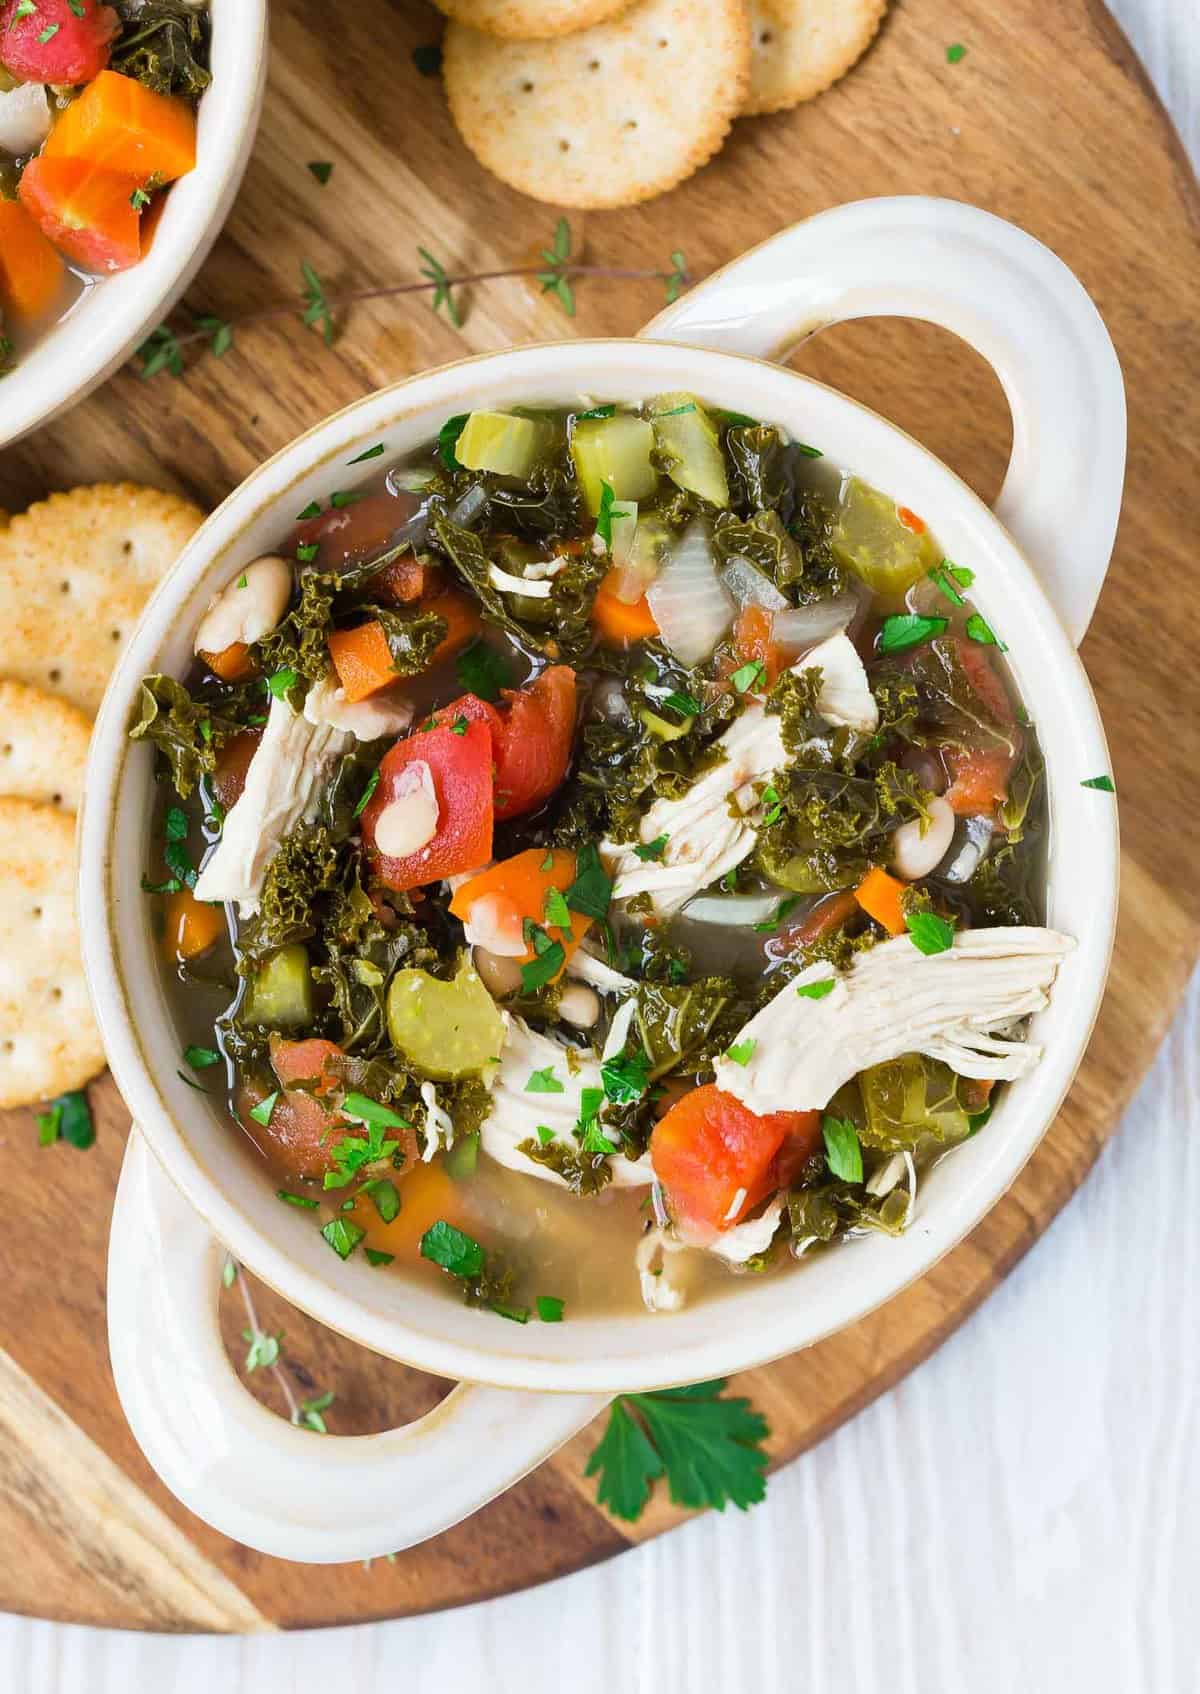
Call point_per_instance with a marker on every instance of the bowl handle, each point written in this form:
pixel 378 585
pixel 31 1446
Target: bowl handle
pixel 1005 294
pixel 250 1474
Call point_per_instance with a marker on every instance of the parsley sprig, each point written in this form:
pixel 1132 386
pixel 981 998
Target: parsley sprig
pixel 560 267
pixel 707 1445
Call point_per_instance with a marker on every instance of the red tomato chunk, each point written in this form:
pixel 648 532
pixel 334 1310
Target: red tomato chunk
pixel 461 769
pixel 61 41
pixel 717 1160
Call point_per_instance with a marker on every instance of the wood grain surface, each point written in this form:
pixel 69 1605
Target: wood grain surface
pixel 1048 121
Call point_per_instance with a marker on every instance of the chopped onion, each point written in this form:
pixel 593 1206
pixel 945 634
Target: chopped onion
pixel 690 603
pixel 733 908
pixel 528 586
pixel 409 479
pixel 797 631
pixel 750 587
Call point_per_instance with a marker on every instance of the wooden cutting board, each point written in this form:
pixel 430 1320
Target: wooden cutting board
pixel 1047 120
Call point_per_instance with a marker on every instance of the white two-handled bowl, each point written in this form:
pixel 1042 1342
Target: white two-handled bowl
pixel 116 314
pixel 192 1187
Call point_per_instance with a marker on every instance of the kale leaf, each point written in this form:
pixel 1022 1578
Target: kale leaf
pixel 181 728
pixel 163 44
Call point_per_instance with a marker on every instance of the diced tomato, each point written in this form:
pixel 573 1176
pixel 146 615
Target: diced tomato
pixel 461 769
pixel 911 521
pixel 471 707
pixel 979 775
pixel 504 896
pixel 717 1160
pixel 348 534
pixel 533 748
pixel 87 213
pixel 304 1061
pixel 233 762
pixel 831 912
pixel 59 41
pixel 753 644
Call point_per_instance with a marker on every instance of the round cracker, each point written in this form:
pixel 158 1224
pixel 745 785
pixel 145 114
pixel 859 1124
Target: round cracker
pixel 75 572
pixel 607 117
pixel 531 20
pixel 801 47
pixel 43 746
pixel 49 1042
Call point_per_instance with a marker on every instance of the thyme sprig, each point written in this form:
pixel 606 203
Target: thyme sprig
pixel 163 349
pixel 263 1353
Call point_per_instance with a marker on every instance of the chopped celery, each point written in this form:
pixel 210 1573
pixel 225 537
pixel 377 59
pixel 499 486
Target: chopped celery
pixel 280 992
pixel 502 443
pixel 624 517
pixel 689 446
pixel 870 540
pixel 615 451
pixel 663 727
pixel 445 1029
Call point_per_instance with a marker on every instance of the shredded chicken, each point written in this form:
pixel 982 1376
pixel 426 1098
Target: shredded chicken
pixel 895 1000
pixel 439 1125
pixel 655 1257
pixel 284 782
pixel 516 1113
pixel 706 835
pixel 382 714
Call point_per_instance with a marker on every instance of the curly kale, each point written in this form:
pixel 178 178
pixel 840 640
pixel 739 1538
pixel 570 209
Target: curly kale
pixel 163 44
pixel 558 626
pixel 674 1020
pixel 925 696
pixel 412 636
pixel 185 731
pixel 583 1173
pixel 303 868
pixel 763 540
pixel 298 641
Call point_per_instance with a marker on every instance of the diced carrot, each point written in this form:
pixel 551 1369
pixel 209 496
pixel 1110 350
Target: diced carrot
pixel 31 272
pixel 363 660
pixel 118 124
pixel 87 213
pixel 463 622
pixel 879 896
pixel 232 663
pixel 516 890
pixel 191 927
pixel 427 1194
pixel 617 622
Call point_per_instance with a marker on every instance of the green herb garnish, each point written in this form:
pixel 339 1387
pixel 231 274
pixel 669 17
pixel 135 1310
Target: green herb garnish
pixel 1104 783
pixel 544 1082
pixel 449 1247
pixel 604 518
pixel 375 452
pixel 322 169
pixel 364 800
pixel 200 1058
pixel 708 1447
pixel 652 850
pixel 262 1112
pixel 742 1051
pixel 558 913
pixel 980 630
pixel 817 990
pixel 930 933
pixel 908 629
pixel 302 1200
pixel 748 676
pixel 343 1236
pixel 843 1151
pixel 625 1077
pixel 375 1257
pixel 955 52
pixel 591 891
pixel 549 1308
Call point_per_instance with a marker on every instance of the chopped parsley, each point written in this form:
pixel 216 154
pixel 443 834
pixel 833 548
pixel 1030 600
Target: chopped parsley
pixel 360 1109
pixel 307 551
pixel 685 704
pixel 282 682
pixel 779 914
pixel 372 785
pixel 944 583
pixel 200 1058
pixel 652 850
pixel 385 1197
pixel 75 1124
pixel 558 913
pixel 843 1152
pixel 375 1257
pixel 338 498
pixel 809 452
pixel 774 805
pixel 375 452
pixel 48 34
pixel 549 1308
pixel 262 1112
pixel 312 510
pixel 460 1254
pixel 955 52
pixel 545 1134
pixel 322 169
pixel 625 1077
pixel 544 1082
pixel 482 670
pixel 980 630
pixel 707 1446
pixel 343 1236
pixel 748 676
pixel 301 1200
pixel 549 958
pixel 448 440
pixel 459 726
pixel 605 411
pixel 817 990
pixel 930 933
pixel 138 199
pixel 604 518
pixel 1104 783
pixel 742 1051
pixel 908 629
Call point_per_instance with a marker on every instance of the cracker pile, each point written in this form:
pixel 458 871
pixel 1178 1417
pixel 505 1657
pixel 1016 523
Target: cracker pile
pixel 75 572
pixel 600 103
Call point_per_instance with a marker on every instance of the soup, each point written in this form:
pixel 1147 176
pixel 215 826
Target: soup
pixel 97 119
pixel 600 855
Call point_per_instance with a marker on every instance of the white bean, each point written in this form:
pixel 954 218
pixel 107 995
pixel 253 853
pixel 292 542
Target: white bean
pixel 914 855
pixel 579 1005
pixel 500 976
pixel 409 821
pixel 247 608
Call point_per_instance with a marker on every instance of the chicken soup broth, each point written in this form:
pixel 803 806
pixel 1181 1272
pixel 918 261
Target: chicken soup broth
pixel 598 855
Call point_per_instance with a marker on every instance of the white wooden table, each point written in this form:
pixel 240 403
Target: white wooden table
pixel 1022 1513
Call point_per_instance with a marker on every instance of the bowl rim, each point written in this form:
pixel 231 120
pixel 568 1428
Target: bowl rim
pixel 89 344
pixel 681 1352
